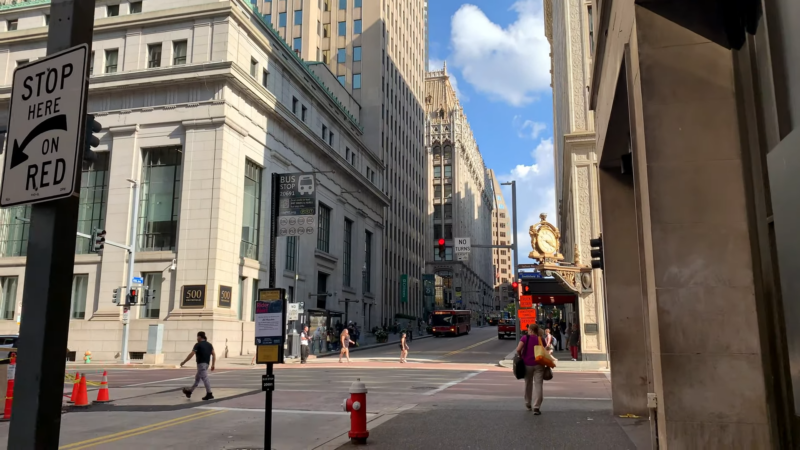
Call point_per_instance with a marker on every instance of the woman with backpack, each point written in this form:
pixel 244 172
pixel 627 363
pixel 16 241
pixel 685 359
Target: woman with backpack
pixel 534 372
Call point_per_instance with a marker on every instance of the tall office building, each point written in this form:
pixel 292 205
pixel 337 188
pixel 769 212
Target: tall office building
pixel 501 235
pixel 460 199
pixel 376 50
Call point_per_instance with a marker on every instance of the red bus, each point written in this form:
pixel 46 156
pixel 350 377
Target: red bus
pixel 455 322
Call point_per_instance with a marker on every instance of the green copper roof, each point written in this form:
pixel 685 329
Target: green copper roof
pixel 20 4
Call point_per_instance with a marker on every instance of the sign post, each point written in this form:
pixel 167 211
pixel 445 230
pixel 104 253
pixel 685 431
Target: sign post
pixel 36 422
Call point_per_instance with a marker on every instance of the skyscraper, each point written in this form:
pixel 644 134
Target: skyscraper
pixel 501 235
pixel 377 52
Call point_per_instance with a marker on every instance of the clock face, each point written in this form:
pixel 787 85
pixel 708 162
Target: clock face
pixel 547 241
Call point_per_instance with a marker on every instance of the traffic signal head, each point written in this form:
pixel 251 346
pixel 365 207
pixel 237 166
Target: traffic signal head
pixel 133 296
pixel 92 141
pixel 514 285
pixel 597 252
pixel 98 240
pixel 115 297
pixel 441 248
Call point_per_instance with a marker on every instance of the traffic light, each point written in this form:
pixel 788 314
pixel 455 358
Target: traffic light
pixel 441 249
pixel 133 296
pixel 597 252
pixel 514 289
pixel 92 141
pixel 98 240
pixel 147 295
pixel 115 297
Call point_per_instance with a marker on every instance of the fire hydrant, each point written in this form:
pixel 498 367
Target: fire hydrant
pixel 87 357
pixel 356 405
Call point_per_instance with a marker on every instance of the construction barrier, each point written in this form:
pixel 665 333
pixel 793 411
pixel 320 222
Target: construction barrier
pixel 75 387
pixel 82 399
pixel 102 394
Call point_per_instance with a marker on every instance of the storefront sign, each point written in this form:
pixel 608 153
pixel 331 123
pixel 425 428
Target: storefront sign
pixel 225 295
pixel 403 288
pixel 193 296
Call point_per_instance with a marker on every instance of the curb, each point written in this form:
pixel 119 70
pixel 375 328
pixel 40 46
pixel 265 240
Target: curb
pixel 367 347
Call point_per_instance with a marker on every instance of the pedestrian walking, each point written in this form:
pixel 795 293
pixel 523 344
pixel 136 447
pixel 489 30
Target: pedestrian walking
pixel 304 345
pixel 548 341
pixel 403 348
pixel 345 340
pixel 204 354
pixel 557 336
pixel 534 372
pixel 574 341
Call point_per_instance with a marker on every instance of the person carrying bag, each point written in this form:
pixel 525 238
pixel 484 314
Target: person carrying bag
pixel 534 367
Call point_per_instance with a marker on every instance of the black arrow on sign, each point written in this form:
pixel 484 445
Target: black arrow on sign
pixel 18 155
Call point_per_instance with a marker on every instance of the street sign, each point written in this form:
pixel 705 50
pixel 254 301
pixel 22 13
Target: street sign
pixel 404 288
pixel 462 256
pixel 126 315
pixel 137 280
pixel 270 318
pixel 530 275
pixel 268 383
pixel 45 145
pixel 526 317
pixel 294 311
pixel 462 245
pixel 297 204
pixel 527 266
pixel 526 301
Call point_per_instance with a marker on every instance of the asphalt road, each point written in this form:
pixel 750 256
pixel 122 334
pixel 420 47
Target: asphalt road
pixel 450 395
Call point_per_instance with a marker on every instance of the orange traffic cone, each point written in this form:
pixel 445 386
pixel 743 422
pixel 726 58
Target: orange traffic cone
pixel 83 396
pixel 102 394
pixel 75 387
pixel 12 368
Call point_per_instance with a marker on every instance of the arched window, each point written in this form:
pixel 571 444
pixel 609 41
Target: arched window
pixel 448 151
pixel 437 152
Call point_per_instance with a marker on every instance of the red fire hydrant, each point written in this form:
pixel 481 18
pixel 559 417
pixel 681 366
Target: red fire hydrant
pixel 356 405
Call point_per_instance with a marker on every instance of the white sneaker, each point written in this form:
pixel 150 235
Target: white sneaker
pixel 574 359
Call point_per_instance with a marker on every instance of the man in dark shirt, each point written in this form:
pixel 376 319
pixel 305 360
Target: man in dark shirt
pixel 203 352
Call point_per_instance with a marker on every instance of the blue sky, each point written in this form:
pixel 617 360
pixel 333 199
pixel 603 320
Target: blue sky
pixel 498 59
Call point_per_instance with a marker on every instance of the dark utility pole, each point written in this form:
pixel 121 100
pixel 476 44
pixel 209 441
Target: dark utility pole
pixel 36 422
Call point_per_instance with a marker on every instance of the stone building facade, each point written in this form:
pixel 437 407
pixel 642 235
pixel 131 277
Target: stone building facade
pixel 568 28
pixel 201 102
pixel 377 53
pixel 460 198
pixel 502 234
pixel 697 122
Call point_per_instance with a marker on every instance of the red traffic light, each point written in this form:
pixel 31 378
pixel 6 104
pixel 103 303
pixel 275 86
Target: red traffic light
pixel 514 285
pixel 441 242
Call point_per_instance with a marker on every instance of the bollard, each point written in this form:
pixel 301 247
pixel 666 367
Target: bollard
pixel 356 405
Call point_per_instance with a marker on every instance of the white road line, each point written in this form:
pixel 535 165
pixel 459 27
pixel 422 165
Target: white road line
pixel 280 411
pixel 167 381
pixel 452 383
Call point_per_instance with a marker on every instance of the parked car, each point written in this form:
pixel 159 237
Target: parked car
pixel 7 341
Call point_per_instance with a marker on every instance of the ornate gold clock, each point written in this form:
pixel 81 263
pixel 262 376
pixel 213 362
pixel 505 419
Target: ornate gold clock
pixel 545 240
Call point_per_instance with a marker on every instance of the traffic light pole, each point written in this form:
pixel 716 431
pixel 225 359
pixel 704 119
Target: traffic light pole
pixel 515 248
pixel 131 260
pixel 36 423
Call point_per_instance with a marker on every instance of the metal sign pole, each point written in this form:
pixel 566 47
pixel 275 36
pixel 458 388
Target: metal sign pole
pixel 273 241
pixel 131 260
pixel 36 422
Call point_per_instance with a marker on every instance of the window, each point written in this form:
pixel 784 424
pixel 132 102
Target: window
pixel 437 153
pixel 342 79
pixel 111 60
pixel 502 224
pixel 46 19
pixel 78 301
pixel 253 67
pixel 326 56
pixel 12 25
pixel 342 28
pixel 322 288
pixel 240 299
pixel 282 19
pixel 502 234
pixel 303 111
pixel 437 173
pixel 326 5
pixel 367 261
pixel 591 30
pixel 179 53
pixel 291 249
pixel 160 198
pixel 14 231
pixel 502 215
pixel 324 133
pixel 330 139
pixel 448 171
pixel 93 200
pixel 448 212
pixel 154 55
pixel 253 298
pixel 342 4
pixel 268 18
pixel 356 3
pixel 91 64
pixel 153 308
pixel 136 7
pixel 324 231
pixel 251 213
pixel 347 253
pixel 448 152
pixel 357 26
pixel 448 191
pixel 298 17
pixel 341 55
pixel 326 30
pixel 437 212
pixel 347 154
pixel 112 10
pixel 356 81
pixel 8 290
pixel 297 44
pixel 264 77
pixel 356 53
pixel 294 105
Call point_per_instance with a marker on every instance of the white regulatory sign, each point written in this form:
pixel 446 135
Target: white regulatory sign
pixel 462 245
pixel 45 147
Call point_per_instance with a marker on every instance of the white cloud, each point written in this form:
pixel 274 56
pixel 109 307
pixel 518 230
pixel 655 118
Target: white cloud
pixel 510 64
pixel 528 128
pixel 535 193
pixel 438 64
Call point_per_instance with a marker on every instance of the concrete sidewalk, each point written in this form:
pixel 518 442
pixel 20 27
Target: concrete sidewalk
pixel 564 365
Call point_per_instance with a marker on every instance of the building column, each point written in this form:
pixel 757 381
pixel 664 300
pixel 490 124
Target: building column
pixel 698 274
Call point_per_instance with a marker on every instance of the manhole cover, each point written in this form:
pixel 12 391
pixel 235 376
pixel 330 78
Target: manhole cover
pixel 423 387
